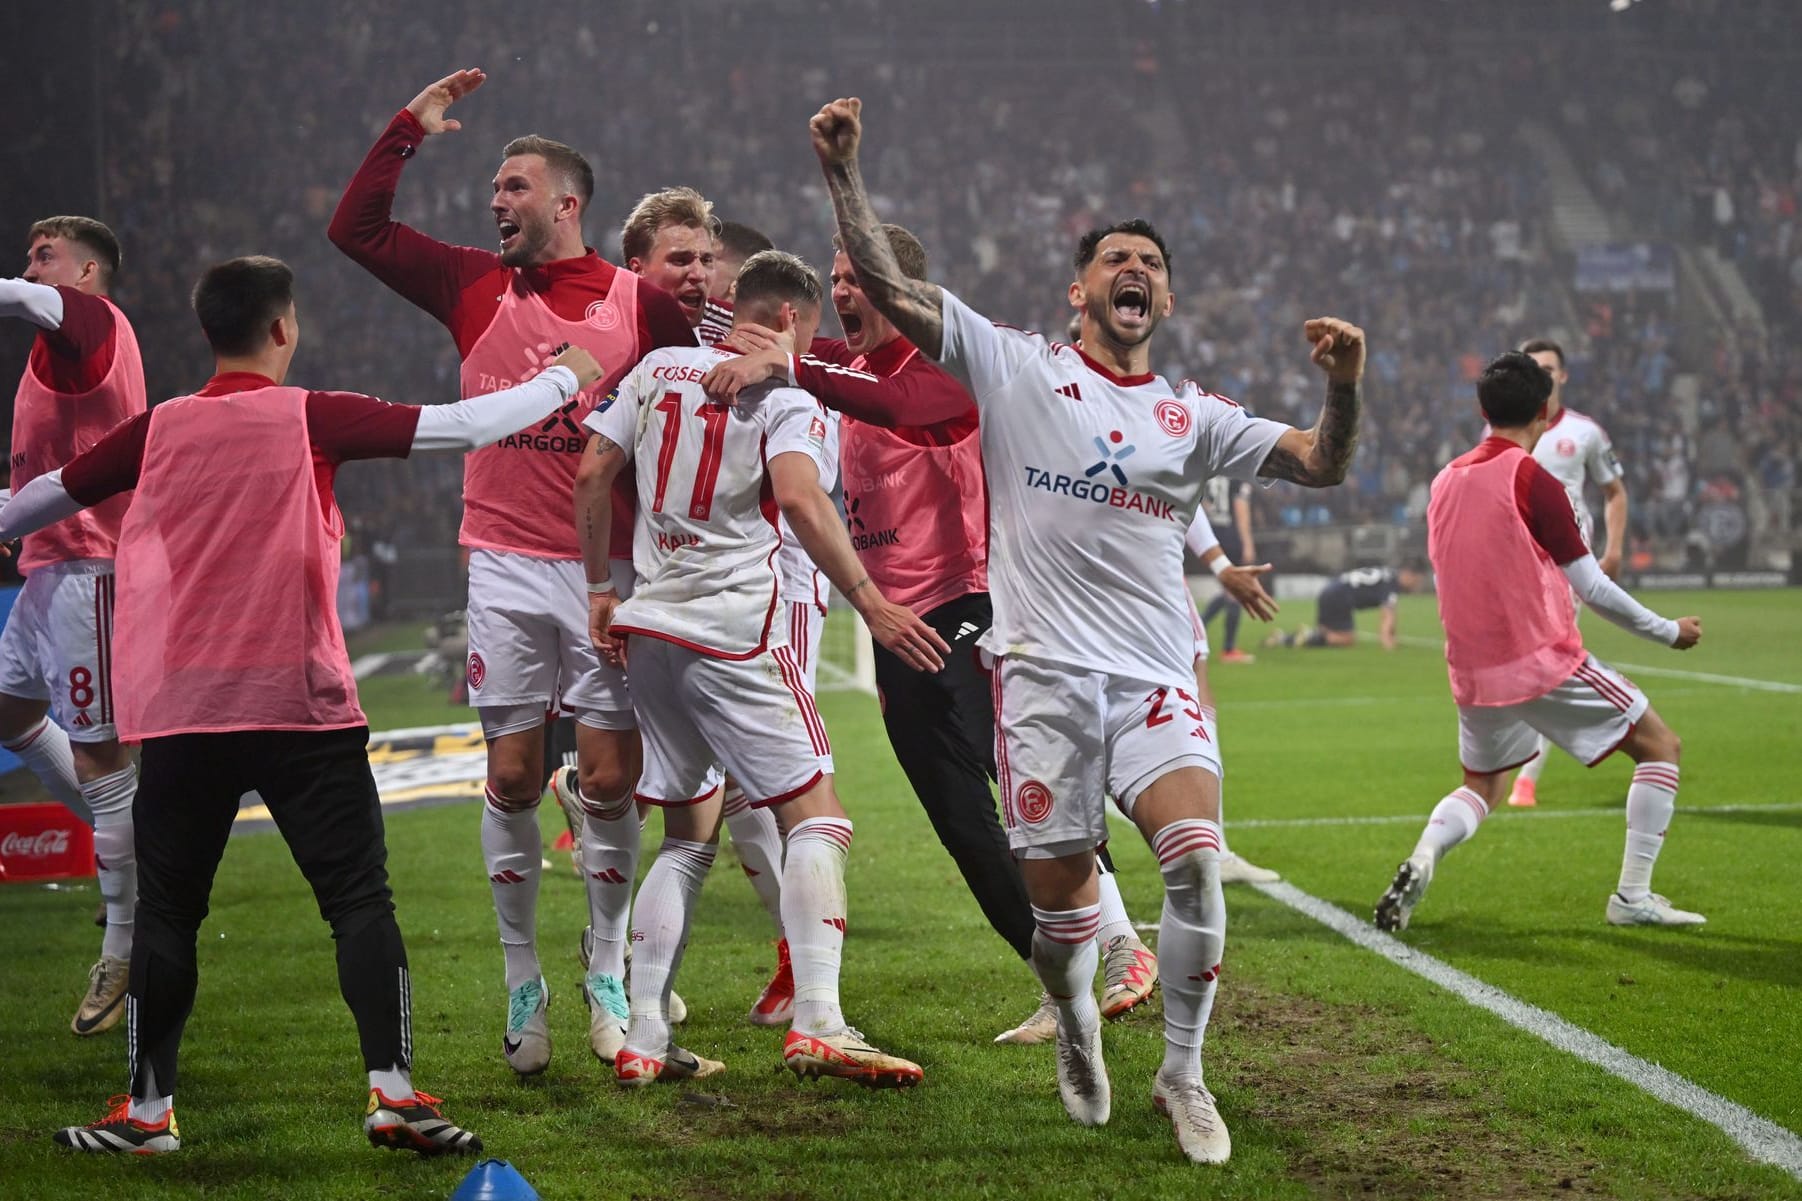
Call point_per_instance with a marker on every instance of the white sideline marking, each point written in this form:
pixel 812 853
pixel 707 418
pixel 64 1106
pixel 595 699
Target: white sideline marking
pixel 1388 819
pixel 1644 669
pixel 1761 1138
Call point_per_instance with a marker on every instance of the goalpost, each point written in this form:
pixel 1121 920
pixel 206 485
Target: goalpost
pixel 847 661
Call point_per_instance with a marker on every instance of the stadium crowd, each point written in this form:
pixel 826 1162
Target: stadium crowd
pixel 1395 195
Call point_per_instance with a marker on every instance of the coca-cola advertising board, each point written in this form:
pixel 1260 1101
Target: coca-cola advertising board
pixel 44 842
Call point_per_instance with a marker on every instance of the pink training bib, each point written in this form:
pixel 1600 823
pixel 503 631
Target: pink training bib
pixel 50 428
pixel 227 615
pixel 919 515
pixel 1510 633
pixel 518 494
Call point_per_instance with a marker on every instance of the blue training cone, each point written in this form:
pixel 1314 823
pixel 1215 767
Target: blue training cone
pixel 494 1180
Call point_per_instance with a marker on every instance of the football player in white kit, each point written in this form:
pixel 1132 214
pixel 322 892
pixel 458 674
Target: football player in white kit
pixel 1574 448
pixel 1095 467
pixel 715 681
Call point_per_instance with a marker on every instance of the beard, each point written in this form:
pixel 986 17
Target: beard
pixel 534 236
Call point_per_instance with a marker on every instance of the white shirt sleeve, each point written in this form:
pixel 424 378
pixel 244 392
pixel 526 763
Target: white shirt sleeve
pixel 1603 467
pixel 479 420
pixel 1611 601
pixel 982 355
pixel 617 417
pixel 44 501
pixel 793 423
pixel 1231 442
pixel 1200 538
pixel 39 304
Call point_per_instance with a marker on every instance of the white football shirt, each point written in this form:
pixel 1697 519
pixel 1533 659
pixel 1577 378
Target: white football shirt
pixel 705 537
pixel 801 581
pixel 1093 480
pixel 1575 448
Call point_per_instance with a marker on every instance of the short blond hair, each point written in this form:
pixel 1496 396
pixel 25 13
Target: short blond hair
pixel 90 234
pixel 660 210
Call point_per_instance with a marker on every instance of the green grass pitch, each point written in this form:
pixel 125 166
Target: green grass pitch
pixel 1339 1074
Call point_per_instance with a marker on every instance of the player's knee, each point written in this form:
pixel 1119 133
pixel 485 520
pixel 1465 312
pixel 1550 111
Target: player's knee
pixel 1192 875
pixel 513 791
pixel 1670 746
pixel 604 785
pixel 356 909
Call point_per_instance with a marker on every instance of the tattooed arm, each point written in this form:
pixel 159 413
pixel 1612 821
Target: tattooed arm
pixel 1320 457
pixel 915 306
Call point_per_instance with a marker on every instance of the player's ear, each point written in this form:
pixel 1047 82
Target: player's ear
pixel 1076 294
pixel 1169 303
pixel 786 317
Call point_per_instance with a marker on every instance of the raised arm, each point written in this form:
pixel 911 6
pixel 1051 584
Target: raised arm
pixel 915 306
pixel 429 273
pixel 1320 457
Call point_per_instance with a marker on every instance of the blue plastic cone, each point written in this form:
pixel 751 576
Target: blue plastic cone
pixel 494 1180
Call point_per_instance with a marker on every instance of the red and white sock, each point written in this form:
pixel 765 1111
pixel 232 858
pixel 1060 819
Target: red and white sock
pixel 45 750
pixel 1191 938
pixel 1455 818
pixel 513 853
pixel 1064 955
pixel 759 845
pixel 115 854
pixel 813 915
pixel 609 868
pixel 660 935
pixel 1651 800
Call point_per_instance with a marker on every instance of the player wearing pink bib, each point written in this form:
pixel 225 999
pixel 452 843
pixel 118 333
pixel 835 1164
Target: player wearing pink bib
pixel 1094 468
pixel 84 377
pixel 234 490
pixel 1506 553
pixel 1576 450
pixel 712 675
pixel 529 650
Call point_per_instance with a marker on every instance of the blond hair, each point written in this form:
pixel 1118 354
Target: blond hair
pixel 660 210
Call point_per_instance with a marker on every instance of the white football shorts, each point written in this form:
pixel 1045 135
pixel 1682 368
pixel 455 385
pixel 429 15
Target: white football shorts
pixel 1067 737
pixel 753 717
pixel 1589 715
pixel 58 646
pixel 528 639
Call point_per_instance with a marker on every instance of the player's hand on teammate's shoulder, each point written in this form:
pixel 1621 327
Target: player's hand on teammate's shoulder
pixel 1241 582
pixel 587 371
pixel 725 380
pixel 1689 632
pixel 1338 348
pixel 836 130
pixel 749 337
pixel 428 107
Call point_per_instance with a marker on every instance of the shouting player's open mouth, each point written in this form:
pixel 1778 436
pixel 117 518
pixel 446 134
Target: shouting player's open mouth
pixel 851 321
pixel 693 299
pixel 1131 303
pixel 509 230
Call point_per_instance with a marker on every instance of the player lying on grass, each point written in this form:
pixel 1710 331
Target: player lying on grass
pixel 234 497
pixel 1095 466
pixel 1349 591
pixel 1506 554
pixel 712 676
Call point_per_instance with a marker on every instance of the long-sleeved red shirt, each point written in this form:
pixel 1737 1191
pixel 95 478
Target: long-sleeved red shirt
pixel 461 286
pixel 899 389
pixel 74 357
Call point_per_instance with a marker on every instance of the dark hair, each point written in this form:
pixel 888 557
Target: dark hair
pixel 741 241
pixel 1541 346
pixel 1138 226
pixel 238 299
pixel 84 231
pixel 1512 390
pixel 566 161
pixel 776 275
pixel 910 255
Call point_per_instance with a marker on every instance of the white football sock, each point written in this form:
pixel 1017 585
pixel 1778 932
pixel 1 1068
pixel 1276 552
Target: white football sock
pixel 1530 770
pixel 759 846
pixel 1065 956
pixel 1455 818
pixel 660 935
pixel 513 852
pixel 395 1083
pixel 1211 727
pixel 1114 921
pixel 115 854
pixel 1651 800
pixel 813 914
pixel 45 750
pixel 610 832
pixel 1191 938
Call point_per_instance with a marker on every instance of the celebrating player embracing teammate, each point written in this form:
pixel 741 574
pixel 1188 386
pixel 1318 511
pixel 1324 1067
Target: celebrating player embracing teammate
pixel 529 647
pixel 1089 500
